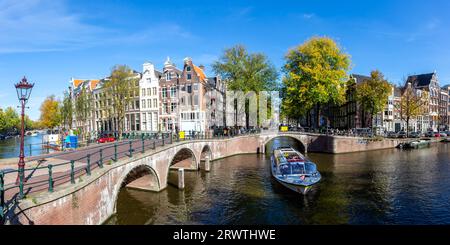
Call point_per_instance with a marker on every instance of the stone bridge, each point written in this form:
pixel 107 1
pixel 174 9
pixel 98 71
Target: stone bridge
pixel 92 199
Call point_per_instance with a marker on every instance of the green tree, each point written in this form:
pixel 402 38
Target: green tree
pixel 315 75
pixel 372 94
pixel 50 113
pixel 121 89
pixel 13 121
pixel 413 103
pixel 245 72
pixel 83 109
pixel 67 111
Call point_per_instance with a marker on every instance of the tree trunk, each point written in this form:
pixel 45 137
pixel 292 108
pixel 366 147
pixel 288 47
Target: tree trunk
pixel 318 116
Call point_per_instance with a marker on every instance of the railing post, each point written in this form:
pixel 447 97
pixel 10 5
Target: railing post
pixel 2 194
pixel 100 162
pixel 115 152
pixel 72 171
pixel 50 178
pixel 162 136
pixel 171 140
pixel 131 149
pixel 88 167
pixel 143 145
pixel 154 144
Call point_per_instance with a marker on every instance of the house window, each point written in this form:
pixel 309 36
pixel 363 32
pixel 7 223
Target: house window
pixel 195 99
pixel 172 91
pixel 173 106
pixel 143 104
pixel 168 76
pixel 148 92
pixel 164 92
pixel 137 104
pixel 182 100
pixel 188 68
pixel 149 103
pixel 189 76
pixel 183 88
pixel 189 88
pixel 195 86
pixel 143 92
pixel 155 103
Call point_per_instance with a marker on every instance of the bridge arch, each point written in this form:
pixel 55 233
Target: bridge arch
pixel 184 158
pixel 302 146
pixel 206 152
pixel 147 177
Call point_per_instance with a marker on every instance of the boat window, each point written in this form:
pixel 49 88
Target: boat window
pixel 310 168
pixel 285 169
pixel 298 168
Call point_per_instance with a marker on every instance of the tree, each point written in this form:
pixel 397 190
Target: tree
pixel 315 74
pixel 413 103
pixel 82 108
pixel 245 72
pixel 13 121
pixel 372 94
pixel 67 110
pixel 50 113
pixel 121 88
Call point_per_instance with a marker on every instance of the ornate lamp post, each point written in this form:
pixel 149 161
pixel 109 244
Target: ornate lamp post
pixel 23 89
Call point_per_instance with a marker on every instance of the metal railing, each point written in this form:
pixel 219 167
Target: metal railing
pixel 95 157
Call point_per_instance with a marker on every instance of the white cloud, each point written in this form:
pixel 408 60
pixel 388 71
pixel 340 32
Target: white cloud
pixel 46 25
pixel 308 16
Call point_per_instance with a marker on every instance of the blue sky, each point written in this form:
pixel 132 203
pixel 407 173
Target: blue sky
pixel 52 41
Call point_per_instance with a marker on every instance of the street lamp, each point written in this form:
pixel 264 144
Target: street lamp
pixel 23 89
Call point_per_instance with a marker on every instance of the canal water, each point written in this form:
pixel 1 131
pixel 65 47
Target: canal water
pixel 10 148
pixel 379 187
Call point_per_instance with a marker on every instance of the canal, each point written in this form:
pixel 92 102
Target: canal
pixel 379 187
pixel 10 148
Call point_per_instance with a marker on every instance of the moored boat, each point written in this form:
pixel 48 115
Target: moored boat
pixel 293 170
pixel 417 144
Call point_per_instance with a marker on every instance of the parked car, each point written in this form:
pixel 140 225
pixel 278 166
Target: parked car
pixel 401 134
pixel 443 134
pixel 429 134
pixel 391 134
pixel 415 135
pixel 106 139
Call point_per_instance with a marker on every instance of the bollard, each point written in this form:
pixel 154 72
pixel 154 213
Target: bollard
pixel 72 171
pixel 170 135
pixel 162 136
pixel 100 162
pixel 115 152
pixel 143 145
pixel 50 178
pixel 207 164
pixel 88 167
pixel 131 149
pixel 154 144
pixel 181 178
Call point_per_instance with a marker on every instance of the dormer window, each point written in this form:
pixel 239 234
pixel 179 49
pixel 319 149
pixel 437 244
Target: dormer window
pixel 168 76
pixel 188 68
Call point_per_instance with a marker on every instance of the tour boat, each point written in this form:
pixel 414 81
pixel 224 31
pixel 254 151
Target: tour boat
pixel 293 170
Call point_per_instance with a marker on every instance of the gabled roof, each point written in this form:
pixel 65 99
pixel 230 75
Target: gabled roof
pixel 199 72
pixel 421 80
pixel 359 78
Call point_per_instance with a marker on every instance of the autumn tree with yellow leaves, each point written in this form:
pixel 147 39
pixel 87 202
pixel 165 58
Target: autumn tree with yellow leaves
pixel 50 112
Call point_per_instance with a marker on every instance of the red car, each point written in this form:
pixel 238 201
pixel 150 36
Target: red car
pixel 106 138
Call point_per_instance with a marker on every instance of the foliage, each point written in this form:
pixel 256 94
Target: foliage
pixel 413 103
pixel 67 111
pixel 246 72
pixel 121 88
pixel 9 120
pixel 50 112
pixel 315 74
pixel 372 94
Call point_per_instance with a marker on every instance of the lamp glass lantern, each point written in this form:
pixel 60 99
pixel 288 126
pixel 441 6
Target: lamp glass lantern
pixel 23 89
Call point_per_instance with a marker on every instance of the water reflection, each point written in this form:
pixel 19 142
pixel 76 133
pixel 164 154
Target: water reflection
pixel 380 187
